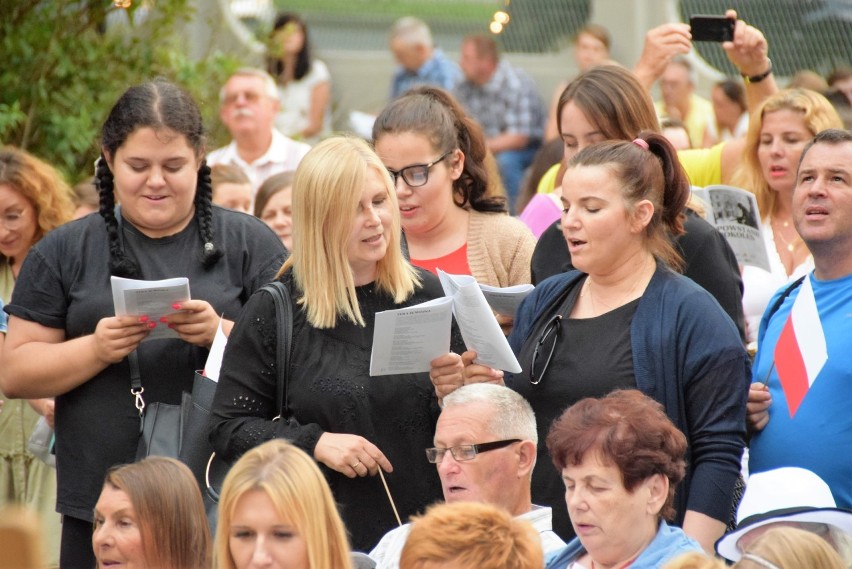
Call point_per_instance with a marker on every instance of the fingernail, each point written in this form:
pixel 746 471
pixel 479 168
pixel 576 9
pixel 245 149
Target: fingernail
pixel 176 306
pixel 164 320
pixel 143 319
pixel 171 325
pixel 152 324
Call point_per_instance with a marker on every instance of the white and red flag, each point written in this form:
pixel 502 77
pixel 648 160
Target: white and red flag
pixel 800 352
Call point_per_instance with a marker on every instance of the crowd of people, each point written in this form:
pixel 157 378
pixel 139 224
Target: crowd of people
pixel 673 404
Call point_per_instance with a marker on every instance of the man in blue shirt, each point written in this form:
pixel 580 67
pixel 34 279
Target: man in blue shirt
pixel 799 407
pixel 420 62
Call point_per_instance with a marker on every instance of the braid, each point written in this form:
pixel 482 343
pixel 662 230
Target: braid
pixel 120 264
pixel 204 213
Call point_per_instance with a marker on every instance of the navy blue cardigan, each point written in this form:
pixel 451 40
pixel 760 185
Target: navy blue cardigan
pixel 687 354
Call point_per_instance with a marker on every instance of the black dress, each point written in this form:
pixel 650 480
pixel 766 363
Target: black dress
pixel 330 390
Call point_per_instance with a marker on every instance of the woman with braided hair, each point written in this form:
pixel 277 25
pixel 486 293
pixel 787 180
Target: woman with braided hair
pixel 63 337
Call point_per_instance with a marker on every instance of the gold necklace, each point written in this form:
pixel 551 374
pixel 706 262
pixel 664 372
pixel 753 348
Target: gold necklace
pixel 790 246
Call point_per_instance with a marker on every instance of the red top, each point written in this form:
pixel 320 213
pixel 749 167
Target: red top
pixel 454 263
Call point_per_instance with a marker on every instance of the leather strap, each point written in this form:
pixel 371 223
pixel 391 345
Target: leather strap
pixel 284 318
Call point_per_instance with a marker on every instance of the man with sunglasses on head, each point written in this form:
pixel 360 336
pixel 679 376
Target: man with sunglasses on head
pixel 485 450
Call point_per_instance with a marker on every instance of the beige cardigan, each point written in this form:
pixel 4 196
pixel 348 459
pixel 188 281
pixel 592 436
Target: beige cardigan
pixel 499 249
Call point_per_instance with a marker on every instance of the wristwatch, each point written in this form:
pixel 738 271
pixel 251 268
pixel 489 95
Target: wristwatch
pixel 758 78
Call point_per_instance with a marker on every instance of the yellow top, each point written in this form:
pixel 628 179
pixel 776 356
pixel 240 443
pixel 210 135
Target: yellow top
pixel 703 167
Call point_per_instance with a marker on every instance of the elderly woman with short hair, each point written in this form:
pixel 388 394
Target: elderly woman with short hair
pixel 620 458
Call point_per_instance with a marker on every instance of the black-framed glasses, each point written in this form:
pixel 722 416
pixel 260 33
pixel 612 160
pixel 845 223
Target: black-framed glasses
pixel 551 333
pixel 464 453
pixel 416 175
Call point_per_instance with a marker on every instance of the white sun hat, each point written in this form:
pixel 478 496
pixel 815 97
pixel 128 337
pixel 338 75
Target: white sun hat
pixel 788 494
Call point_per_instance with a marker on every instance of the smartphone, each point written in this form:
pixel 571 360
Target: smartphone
pixel 712 28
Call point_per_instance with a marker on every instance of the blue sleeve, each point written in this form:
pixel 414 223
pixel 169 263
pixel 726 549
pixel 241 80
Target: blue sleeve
pixel 715 391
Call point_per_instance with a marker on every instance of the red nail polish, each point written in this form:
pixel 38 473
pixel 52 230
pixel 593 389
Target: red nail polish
pixel 164 320
pixel 152 324
pixel 171 325
pixel 176 306
pixel 143 319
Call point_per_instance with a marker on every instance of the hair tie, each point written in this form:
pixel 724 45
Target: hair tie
pixel 208 247
pixel 641 142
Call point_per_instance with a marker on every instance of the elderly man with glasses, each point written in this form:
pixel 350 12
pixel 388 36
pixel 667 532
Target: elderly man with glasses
pixel 485 450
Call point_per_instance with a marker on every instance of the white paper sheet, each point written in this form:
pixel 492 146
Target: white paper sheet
pixel 153 299
pixel 217 349
pixel 506 300
pixel 407 339
pixel 478 326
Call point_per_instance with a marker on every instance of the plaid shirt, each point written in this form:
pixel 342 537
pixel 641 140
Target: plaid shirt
pixel 507 103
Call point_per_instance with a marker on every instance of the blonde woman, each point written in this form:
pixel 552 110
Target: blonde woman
pixel 346 265
pixel 781 127
pixel 276 508
pixel 790 548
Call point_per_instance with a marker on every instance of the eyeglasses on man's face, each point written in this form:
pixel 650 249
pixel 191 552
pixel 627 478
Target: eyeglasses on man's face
pixel 546 344
pixel 415 175
pixel 463 453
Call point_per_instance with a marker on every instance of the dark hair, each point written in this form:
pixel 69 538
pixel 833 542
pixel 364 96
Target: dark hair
pixel 626 429
pixel 271 186
pixel 662 181
pixel 275 64
pixel 613 100
pixel 435 114
pixel 158 105
pixel 830 136
pixel 735 91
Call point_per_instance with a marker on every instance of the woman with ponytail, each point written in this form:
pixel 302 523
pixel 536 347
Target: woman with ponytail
pixel 438 158
pixel 64 339
pixel 627 320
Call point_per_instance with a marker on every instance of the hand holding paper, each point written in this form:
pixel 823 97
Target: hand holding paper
pixel 154 300
pixel 479 328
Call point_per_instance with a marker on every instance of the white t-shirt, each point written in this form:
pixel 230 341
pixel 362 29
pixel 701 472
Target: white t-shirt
pixel 296 102
pixel 283 154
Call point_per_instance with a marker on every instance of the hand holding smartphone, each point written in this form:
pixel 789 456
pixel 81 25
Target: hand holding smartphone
pixel 712 28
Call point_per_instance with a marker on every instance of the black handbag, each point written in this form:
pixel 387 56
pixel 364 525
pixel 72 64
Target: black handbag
pixel 284 319
pixel 182 431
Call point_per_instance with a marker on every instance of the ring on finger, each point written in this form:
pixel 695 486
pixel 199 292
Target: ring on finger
pixel 356 464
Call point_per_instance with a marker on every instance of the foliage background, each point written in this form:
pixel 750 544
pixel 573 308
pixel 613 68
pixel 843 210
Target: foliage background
pixel 66 62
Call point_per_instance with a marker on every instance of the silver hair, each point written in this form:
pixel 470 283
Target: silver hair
pixel 412 31
pixel 513 416
pixel 269 86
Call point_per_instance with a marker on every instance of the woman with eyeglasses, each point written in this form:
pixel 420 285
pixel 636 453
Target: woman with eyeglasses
pixel 34 200
pixel 437 157
pixel 626 320
pixel 346 265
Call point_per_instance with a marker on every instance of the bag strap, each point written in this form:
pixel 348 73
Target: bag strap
pixel 284 317
pixel 780 300
pixel 136 389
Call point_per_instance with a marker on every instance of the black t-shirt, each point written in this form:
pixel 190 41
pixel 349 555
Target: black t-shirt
pixel 329 389
pixel 65 283
pixel 593 357
pixel 707 256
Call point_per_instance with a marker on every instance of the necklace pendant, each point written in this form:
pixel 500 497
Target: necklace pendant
pixel 790 247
